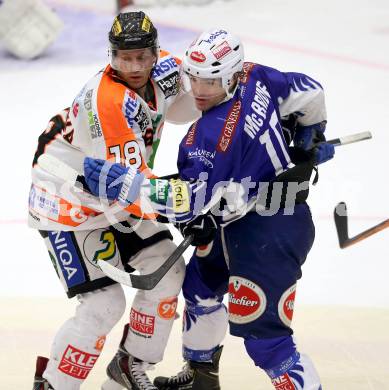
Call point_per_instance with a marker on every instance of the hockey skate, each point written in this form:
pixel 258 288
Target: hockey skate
pixel 127 372
pixel 194 376
pixel 39 382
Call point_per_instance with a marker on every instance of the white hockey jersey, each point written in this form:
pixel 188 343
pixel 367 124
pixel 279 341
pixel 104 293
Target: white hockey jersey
pixel 109 121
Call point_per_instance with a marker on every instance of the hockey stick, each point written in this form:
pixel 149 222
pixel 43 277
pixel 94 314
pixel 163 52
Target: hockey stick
pixel 58 168
pixel 341 223
pixel 350 139
pixel 149 281
pixel 61 170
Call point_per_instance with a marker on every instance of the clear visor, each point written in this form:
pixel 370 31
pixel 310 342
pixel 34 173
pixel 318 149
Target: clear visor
pixel 202 87
pixel 134 60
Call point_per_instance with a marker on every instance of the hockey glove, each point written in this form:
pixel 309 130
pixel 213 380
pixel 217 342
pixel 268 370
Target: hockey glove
pixel 311 140
pixel 112 181
pixel 203 227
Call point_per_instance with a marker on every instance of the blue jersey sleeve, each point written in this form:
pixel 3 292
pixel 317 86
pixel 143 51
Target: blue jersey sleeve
pixel 296 93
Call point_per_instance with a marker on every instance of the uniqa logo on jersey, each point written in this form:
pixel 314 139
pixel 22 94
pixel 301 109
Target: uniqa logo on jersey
pixel 246 300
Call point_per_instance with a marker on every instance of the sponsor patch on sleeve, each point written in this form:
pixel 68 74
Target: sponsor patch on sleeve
pixel 180 194
pixel 159 190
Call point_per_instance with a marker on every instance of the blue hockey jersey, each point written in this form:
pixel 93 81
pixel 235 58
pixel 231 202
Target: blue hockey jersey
pixel 238 145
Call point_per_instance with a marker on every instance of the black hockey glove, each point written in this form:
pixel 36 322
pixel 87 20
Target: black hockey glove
pixel 203 227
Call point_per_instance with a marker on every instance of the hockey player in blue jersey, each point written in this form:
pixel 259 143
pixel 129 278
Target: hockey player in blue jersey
pixel 250 245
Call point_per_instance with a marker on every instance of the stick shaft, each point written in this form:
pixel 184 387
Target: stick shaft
pixel 149 281
pixel 350 139
pixel 367 233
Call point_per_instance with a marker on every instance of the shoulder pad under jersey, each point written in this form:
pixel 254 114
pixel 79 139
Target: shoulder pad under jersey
pixel 166 73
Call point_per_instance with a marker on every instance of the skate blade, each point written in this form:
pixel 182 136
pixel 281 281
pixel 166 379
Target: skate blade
pixel 110 384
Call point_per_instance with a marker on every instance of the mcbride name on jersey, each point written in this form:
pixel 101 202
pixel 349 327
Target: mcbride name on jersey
pixel 239 144
pixel 110 121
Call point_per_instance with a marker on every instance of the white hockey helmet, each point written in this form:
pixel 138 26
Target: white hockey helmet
pixel 215 54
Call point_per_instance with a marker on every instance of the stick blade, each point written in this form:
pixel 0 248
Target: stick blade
pixel 341 223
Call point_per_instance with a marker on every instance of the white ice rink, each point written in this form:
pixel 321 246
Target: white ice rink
pixel 342 315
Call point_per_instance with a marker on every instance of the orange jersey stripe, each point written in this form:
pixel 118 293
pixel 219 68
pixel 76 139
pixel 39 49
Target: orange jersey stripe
pixel 117 133
pixel 69 214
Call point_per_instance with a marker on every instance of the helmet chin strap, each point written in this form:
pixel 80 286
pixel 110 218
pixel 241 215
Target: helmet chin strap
pixel 229 92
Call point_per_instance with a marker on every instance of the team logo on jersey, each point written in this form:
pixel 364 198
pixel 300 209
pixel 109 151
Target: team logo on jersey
pixel 159 190
pixel 100 245
pixel 229 127
pixel 191 134
pixel 94 125
pixel 203 155
pixel 181 201
pixel 142 323
pixel 88 99
pixel 130 104
pixel 170 84
pixel 163 67
pixel 44 203
pixel 77 363
pixel 221 50
pixel 100 342
pixel 286 305
pixel 247 301
pixel 141 119
pixel 167 308
pixel 67 257
pixel 197 56
pixel 75 109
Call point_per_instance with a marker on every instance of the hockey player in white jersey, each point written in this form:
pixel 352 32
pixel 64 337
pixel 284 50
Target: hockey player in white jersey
pixel 118 115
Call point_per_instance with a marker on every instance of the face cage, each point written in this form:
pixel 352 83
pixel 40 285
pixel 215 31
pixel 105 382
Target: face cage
pixel 122 65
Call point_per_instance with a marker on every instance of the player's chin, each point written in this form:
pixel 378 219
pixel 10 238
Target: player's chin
pixel 136 81
pixel 203 104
